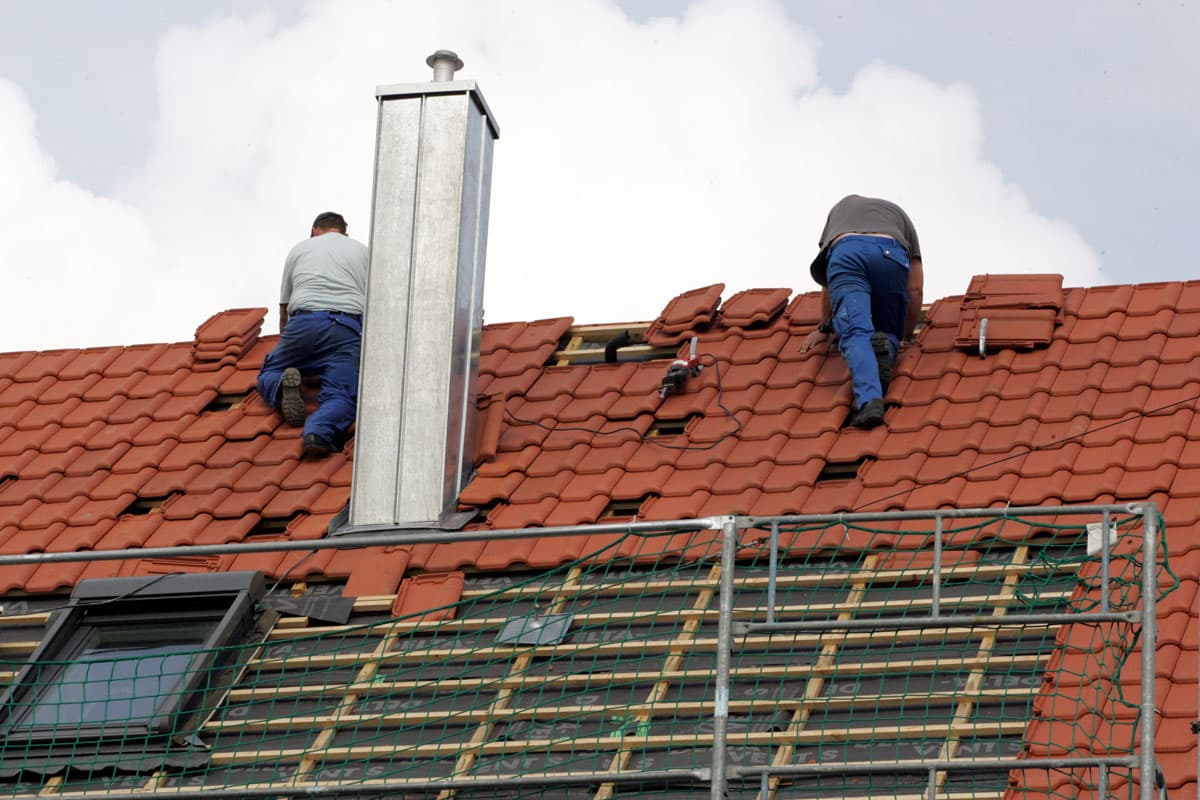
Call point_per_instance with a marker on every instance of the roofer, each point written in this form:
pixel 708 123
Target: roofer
pixel 320 318
pixel 871 278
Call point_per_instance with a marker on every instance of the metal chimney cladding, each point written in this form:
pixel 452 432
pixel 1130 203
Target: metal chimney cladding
pixel 416 406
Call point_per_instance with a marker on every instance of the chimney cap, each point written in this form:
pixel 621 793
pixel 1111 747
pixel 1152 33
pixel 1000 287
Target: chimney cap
pixel 445 63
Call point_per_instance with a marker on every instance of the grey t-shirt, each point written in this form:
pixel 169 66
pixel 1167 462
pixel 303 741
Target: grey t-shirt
pixel 857 214
pixel 325 273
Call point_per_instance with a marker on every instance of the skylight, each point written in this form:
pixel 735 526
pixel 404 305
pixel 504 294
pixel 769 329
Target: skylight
pixel 128 661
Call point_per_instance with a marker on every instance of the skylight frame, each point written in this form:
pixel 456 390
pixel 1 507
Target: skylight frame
pixel 229 601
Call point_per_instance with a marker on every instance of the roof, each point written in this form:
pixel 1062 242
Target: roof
pixel 1081 395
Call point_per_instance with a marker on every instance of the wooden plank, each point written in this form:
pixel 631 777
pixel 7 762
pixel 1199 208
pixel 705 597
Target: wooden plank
pixel 686 615
pixel 838 579
pixel 966 706
pixel 373 604
pixel 608 744
pixel 773 643
pixel 815 686
pixel 366 674
pixel 575 343
pixel 647 710
pixel 702 602
pixel 1025 661
pixel 392 784
pixel 22 620
pixel 499 705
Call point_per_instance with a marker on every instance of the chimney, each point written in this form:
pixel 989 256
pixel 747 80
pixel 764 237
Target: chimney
pixel 420 352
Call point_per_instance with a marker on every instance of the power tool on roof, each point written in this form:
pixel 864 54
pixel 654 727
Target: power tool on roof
pixel 679 371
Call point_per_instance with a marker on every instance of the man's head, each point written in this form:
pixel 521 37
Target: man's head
pixel 329 221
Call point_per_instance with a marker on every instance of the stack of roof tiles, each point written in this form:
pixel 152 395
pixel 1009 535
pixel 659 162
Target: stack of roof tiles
pixel 225 338
pixel 1083 395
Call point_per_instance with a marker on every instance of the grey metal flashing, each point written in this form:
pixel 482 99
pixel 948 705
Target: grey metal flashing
pixel 394 90
pixel 192 585
pixel 424 307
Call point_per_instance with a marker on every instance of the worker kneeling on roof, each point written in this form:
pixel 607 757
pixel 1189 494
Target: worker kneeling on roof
pixel 320 318
pixel 869 269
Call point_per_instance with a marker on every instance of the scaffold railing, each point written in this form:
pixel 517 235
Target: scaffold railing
pixel 949 653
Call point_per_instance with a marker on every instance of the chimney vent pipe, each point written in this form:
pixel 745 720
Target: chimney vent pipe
pixel 415 430
pixel 445 63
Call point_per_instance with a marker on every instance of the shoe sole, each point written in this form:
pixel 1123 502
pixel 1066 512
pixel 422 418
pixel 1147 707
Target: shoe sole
pixel 316 451
pixel 883 358
pixel 867 421
pixel 291 401
pixel 869 416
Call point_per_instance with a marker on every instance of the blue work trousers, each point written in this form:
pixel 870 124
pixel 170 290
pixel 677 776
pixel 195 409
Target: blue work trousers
pixel 868 291
pixel 328 345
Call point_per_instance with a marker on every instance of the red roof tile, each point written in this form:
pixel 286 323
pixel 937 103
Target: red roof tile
pixel 753 307
pixel 1102 408
pixel 685 316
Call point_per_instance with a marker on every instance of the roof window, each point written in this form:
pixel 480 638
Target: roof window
pixel 128 661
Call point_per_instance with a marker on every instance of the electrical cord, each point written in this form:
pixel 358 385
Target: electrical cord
pixel 1137 415
pixel 107 600
pixel 643 437
pixel 285 575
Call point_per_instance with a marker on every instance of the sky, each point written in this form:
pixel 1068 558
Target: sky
pixel 157 160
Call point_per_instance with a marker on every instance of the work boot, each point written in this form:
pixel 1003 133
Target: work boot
pixel 316 447
pixel 869 416
pixel 883 358
pixel 291 401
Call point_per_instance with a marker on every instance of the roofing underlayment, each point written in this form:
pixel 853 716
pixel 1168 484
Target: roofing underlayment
pixel 1064 396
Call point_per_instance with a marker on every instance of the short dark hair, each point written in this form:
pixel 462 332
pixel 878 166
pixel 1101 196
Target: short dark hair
pixel 330 221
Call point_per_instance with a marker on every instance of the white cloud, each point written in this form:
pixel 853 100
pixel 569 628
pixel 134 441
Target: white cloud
pixel 68 255
pixel 637 161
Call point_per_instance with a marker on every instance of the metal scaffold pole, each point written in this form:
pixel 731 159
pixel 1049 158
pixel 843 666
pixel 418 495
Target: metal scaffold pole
pixel 729 535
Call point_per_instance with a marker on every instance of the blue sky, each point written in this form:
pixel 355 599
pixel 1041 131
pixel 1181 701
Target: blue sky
pixel 162 157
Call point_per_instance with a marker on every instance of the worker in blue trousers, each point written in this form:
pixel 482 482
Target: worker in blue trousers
pixel 871 276
pixel 321 305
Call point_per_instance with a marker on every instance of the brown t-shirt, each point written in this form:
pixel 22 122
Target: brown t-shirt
pixel 857 214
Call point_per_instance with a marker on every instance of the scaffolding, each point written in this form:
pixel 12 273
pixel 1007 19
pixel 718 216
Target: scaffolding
pixel 890 655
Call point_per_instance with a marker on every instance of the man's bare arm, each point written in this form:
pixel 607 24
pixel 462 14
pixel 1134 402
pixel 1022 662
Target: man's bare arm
pixel 282 316
pixel 916 288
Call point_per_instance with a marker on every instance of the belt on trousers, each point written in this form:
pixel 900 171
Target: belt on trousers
pixel 299 311
pixel 856 233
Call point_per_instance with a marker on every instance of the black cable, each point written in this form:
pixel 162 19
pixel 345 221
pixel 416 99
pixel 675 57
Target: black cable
pixel 283 577
pixel 1137 415
pixel 643 437
pixel 1030 448
pixel 107 600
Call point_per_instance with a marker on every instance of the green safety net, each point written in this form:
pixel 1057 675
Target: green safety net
pixel 597 678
